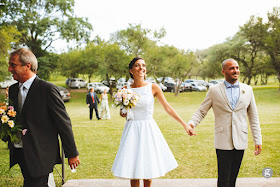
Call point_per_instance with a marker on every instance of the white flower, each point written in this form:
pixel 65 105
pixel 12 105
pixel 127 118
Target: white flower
pixel 129 96
pixel 11 123
pixel 5 119
pixel 126 102
pixel 129 91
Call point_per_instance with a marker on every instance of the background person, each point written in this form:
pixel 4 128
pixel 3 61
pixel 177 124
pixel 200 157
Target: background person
pixel 92 102
pixel 42 115
pixel 104 106
pixel 232 102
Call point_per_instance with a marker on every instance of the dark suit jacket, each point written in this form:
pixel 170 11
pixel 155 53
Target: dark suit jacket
pixel 45 117
pixel 90 102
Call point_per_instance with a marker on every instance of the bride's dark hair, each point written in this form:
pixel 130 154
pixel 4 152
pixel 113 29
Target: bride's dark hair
pixel 132 62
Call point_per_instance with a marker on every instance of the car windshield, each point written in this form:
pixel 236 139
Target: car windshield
pixel 99 84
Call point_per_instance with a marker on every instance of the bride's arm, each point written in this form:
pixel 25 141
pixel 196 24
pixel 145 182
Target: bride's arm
pixel 101 97
pixel 157 92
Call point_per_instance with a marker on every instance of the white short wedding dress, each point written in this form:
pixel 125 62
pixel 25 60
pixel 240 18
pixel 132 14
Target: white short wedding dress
pixel 143 151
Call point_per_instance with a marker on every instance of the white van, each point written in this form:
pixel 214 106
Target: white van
pixel 121 85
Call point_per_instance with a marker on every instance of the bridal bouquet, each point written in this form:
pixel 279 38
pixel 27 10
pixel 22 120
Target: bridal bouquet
pixel 8 126
pixel 126 99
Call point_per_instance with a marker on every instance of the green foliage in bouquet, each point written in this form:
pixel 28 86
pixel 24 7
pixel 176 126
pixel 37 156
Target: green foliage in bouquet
pixel 8 126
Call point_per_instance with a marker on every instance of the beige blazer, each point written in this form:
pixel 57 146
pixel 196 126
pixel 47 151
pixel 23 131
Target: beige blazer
pixel 231 128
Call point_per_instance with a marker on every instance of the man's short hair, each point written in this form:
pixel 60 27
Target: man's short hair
pixel 25 57
pixel 226 61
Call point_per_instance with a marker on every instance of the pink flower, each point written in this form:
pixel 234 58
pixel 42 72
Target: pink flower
pixel 24 131
pixel 11 108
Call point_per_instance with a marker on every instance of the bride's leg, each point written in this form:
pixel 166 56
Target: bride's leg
pixel 147 182
pixel 134 183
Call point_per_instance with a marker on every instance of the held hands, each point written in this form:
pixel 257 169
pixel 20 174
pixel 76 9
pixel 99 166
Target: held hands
pixel 74 162
pixel 189 129
pixel 258 149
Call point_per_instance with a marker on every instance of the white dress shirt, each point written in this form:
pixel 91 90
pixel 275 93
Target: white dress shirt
pixel 23 90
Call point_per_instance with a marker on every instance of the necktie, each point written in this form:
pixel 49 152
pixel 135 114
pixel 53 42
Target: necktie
pixel 20 101
pixel 92 98
pixel 233 86
pixel 19 144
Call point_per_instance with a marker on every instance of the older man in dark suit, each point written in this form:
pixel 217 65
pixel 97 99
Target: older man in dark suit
pixel 42 115
pixel 92 102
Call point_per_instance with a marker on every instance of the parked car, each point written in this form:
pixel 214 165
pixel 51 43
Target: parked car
pixel 111 80
pixel 186 87
pixel 7 82
pixel 121 80
pixel 163 88
pixel 98 87
pixel 170 86
pixel 190 80
pixel 213 82
pixel 76 83
pixel 151 79
pixel 166 79
pixel 65 94
pixel 203 82
pixel 197 86
pixel 121 85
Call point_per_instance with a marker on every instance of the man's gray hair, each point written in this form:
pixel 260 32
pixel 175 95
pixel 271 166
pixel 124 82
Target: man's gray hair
pixel 226 61
pixel 25 57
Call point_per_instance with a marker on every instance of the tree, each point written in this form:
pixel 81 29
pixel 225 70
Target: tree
pixel 272 40
pixel 166 61
pixel 216 54
pixel 249 47
pixel 155 58
pixel 44 21
pixel 9 36
pixel 114 63
pixel 135 39
pixel 245 47
pixel 70 63
pixel 47 64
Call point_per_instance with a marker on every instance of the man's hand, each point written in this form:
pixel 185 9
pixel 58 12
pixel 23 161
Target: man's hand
pixel 74 162
pixel 189 129
pixel 258 149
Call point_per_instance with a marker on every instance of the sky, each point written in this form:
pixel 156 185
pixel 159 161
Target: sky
pixel 190 24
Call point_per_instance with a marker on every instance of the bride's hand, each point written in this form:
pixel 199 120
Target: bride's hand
pixel 123 114
pixel 189 130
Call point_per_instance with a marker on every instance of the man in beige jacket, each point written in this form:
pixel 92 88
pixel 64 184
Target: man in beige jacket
pixel 232 102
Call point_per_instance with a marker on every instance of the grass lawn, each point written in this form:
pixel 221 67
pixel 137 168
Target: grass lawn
pixel 98 141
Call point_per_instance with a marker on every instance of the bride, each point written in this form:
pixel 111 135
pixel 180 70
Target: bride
pixel 143 152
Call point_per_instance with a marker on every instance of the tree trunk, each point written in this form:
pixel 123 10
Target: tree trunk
pixel 278 77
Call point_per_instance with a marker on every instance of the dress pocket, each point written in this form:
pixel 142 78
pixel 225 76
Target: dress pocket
pixel 219 129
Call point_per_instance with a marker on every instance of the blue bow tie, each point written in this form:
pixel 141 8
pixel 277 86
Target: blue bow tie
pixel 233 86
